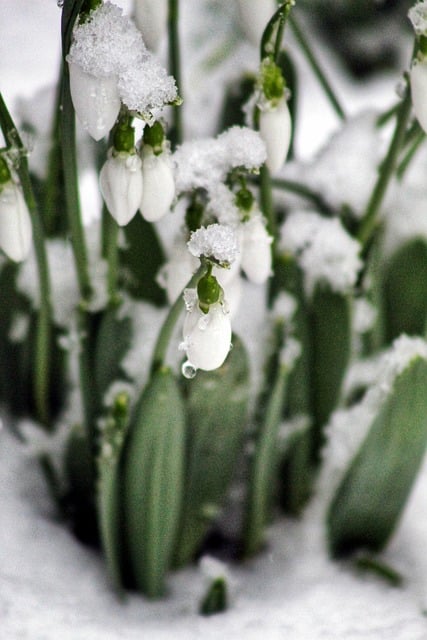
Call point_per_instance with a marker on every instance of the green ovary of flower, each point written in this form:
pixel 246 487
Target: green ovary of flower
pixel 208 291
pixel 272 81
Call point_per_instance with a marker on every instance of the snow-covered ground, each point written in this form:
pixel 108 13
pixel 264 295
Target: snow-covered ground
pixel 52 588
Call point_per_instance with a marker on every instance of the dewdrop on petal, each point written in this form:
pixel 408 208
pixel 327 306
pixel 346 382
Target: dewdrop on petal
pixel 121 185
pixel 275 128
pixel 256 250
pixel 207 337
pixel 159 185
pixel 254 16
pixel 96 101
pixel 15 222
pixel 151 19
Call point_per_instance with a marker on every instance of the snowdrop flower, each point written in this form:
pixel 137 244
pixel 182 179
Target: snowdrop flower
pixel 159 185
pixel 254 16
pixel 207 336
pixel 96 101
pixel 121 185
pixel 151 19
pixel 15 222
pixel 256 249
pixel 275 127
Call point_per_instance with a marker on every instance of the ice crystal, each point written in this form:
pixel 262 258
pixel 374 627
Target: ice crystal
pixel 323 249
pixel 147 87
pixel 217 241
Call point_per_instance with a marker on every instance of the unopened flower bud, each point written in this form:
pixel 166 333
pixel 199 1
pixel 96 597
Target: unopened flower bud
pixel 96 101
pixel 121 185
pixel 207 337
pixel 275 128
pixel 151 20
pixel 159 185
pixel 254 16
pixel 15 222
pixel 418 82
pixel 256 250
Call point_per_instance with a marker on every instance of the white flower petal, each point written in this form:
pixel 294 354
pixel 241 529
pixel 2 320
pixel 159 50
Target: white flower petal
pixel 96 101
pixel 121 185
pixel 256 250
pixel 275 127
pixel 15 223
pixel 159 187
pixel 207 337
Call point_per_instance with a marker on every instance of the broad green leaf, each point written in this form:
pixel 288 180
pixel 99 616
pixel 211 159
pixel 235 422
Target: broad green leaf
pixel 113 339
pixel 109 495
pixel 153 472
pixel 141 260
pixel 405 291
pixel 330 324
pixel 372 495
pixel 217 407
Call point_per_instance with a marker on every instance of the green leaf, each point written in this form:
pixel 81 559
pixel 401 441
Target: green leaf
pixel 217 407
pixel 216 599
pixel 141 260
pixel 113 340
pixel 289 72
pixel 109 496
pixel 371 497
pixel 405 290
pixel 268 40
pixel 153 472
pixel 330 323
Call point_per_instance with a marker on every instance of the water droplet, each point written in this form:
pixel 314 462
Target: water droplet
pixel 188 370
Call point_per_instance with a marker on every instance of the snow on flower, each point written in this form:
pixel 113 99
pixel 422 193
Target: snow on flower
pixel 217 241
pixel 418 17
pixel 323 249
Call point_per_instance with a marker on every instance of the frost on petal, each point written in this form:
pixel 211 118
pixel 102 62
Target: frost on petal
pixel 216 241
pixel 323 249
pixel 121 185
pixel 15 223
pixel 146 87
pixel 159 186
pixel 106 43
pixel 207 337
pixel 418 17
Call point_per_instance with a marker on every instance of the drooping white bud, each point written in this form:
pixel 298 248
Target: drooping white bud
pixel 159 185
pixel 207 336
pixel 96 101
pixel 418 82
pixel 151 20
pixel 121 185
pixel 275 127
pixel 15 223
pixel 254 16
pixel 256 250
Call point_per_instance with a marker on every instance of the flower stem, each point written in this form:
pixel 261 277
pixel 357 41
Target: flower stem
pixel 305 192
pixel 176 133
pixel 44 329
pixel 386 171
pixel 163 339
pixel 316 68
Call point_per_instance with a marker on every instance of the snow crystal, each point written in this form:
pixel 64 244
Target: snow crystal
pixel 323 249
pixel 222 205
pixel 107 43
pixel 147 86
pixel 418 16
pixel 205 163
pixel 216 241
pixel 349 427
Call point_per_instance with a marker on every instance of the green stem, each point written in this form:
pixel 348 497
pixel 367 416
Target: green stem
pixel 176 134
pixel 163 339
pixel 44 329
pixel 316 68
pixel 302 190
pixel 386 172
